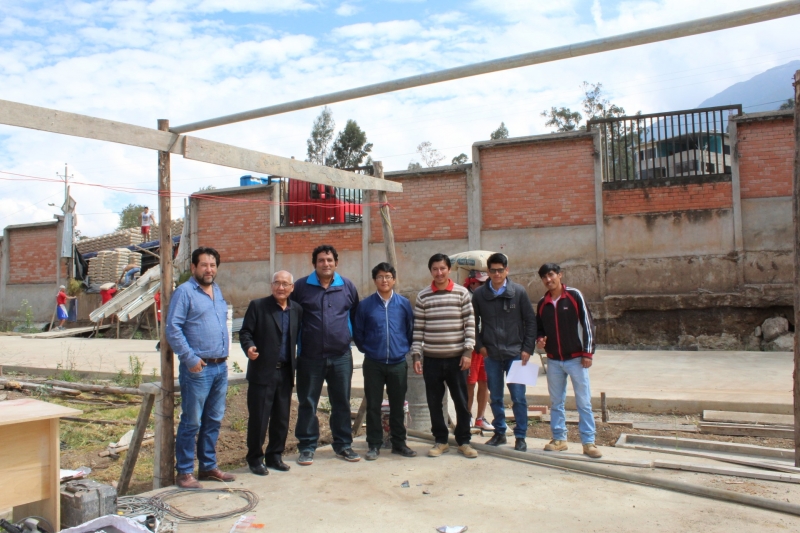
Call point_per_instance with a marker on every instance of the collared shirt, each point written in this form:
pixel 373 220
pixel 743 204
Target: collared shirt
pixel 197 325
pixel 283 355
pixel 386 301
pixel 499 291
pixel 450 284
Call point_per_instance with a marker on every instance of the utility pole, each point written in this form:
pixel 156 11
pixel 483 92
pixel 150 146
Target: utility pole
pixel 796 216
pixel 66 178
pixel 164 463
pixel 69 225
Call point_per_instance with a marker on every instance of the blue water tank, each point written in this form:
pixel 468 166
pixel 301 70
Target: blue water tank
pixel 245 181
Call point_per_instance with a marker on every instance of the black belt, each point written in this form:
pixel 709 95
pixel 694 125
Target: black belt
pixel 216 360
pixel 282 364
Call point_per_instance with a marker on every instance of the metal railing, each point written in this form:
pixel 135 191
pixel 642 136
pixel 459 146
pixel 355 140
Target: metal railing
pixel 310 204
pixel 692 142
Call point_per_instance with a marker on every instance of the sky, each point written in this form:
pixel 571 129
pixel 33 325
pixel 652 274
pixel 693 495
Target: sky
pixel 137 61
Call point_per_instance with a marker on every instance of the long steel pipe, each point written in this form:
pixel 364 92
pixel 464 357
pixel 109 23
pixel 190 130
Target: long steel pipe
pixel 631 477
pixel 605 44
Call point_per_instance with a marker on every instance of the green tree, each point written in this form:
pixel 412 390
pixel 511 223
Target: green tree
pixel 130 216
pixel 562 119
pixel 430 155
pixel 788 104
pixel 596 105
pixel 499 133
pixel 350 147
pixel 206 188
pixel 321 136
pixel 414 165
pixel 460 159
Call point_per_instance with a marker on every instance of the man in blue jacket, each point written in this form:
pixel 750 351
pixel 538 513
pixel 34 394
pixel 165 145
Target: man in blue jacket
pixel 329 304
pixel 383 331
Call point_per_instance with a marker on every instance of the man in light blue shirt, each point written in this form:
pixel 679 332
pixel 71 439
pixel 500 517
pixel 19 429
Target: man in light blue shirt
pixel 197 331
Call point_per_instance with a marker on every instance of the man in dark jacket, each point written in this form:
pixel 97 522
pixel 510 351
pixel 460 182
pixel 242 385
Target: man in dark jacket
pixel 566 333
pixel 269 338
pixel 383 331
pixel 329 304
pixel 506 333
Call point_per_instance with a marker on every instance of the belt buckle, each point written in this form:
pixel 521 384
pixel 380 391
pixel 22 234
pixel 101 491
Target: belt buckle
pixel 280 364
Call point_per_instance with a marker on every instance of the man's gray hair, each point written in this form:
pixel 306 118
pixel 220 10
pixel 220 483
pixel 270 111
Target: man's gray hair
pixel 291 278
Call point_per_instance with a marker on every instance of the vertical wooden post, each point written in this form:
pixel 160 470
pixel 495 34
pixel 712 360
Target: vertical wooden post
pixel 603 407
pixel 164 464
pixel 136 444
pixel 796 217
pixel 386 218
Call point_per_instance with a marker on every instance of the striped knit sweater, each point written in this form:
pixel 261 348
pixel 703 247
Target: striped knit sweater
pixel 444 323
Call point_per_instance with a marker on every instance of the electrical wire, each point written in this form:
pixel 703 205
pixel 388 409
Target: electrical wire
pixel 159 507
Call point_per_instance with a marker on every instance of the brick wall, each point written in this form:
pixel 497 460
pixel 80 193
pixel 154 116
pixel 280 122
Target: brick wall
pixel 539 184
pixel 343 238
pixel 236 225
pixel 431 207
pixel 32 255
pixel 766 154
pixel 685 197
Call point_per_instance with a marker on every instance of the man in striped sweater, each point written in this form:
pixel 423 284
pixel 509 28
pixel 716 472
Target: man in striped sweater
pixel 444 337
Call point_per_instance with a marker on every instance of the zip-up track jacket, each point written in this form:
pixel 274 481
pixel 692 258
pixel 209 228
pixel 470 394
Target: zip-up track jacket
pixel 567 324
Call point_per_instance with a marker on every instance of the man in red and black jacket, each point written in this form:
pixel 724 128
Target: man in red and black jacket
pixel 566 334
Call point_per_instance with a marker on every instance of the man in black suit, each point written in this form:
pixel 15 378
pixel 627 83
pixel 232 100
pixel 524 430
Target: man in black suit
pixel 269 338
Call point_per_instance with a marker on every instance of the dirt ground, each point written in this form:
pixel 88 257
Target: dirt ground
pixel 82 443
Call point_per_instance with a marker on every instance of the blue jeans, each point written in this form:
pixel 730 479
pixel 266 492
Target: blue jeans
pixel 557 372
pixel 336 372
pixel 495 378
pixel 202 408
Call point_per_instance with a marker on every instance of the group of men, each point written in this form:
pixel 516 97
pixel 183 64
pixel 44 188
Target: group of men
pixel 300 337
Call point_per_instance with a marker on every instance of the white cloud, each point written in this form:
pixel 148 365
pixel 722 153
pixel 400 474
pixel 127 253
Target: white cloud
pixel 347 9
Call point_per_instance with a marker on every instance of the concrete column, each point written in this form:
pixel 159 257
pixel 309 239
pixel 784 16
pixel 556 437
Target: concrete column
pixel 474 209
pixel 738 239
pixel 366 230
pixel 193 222
pixel 274 222
pixel 600 257
pixel 4 271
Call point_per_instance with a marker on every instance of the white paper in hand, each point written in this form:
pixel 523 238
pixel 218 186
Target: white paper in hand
pixel 523 374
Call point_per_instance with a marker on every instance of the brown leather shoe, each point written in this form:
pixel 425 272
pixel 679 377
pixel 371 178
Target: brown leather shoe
pixel 187 481
pixel 216 475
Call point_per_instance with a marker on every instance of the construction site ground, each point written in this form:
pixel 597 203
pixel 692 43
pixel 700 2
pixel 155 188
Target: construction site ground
pixel 485 494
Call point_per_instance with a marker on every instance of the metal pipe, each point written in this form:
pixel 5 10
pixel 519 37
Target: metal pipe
pixel 605 44
pixel 632 477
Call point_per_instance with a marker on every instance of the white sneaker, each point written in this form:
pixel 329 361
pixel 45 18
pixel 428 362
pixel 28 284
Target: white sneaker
pixel 484 424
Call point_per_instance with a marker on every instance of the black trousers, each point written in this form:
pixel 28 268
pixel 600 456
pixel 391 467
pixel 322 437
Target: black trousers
pixel 395 378
pixel 268 408
pixel 436 373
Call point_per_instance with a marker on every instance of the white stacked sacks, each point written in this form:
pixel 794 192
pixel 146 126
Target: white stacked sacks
pixel 124 237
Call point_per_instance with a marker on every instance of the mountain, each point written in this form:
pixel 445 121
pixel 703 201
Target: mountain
pixel 773 86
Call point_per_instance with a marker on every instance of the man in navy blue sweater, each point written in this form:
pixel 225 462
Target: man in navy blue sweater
pixel 383 331
pixel 329 304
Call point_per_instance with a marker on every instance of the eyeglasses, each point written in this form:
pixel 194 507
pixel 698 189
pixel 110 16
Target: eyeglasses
pixel 384 278
pixel 497 270
pixel 281 285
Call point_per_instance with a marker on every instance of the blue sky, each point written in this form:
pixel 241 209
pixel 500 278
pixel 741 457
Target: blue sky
pixel 140 60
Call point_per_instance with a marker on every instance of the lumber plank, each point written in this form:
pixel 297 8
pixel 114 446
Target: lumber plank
pixel 54 121
pixel 735 472
pixel 749 418
pixel 234 157
pixel 71 332
pixel 751 431
pixel 87 387
pixel 136 443
pixel 659 426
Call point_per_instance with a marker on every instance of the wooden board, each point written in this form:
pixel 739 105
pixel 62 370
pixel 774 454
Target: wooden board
pixel 748 418
pixel 659 426
pixel 57 334
pixel 240 158
pixel 29 410
pixel 725 471
pixel 746 431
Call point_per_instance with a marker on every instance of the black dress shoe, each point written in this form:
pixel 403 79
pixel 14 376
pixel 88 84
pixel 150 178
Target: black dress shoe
pixel 278 465
pixel 405 451
pixel 496 440
pixel 259 469
pixel 520 445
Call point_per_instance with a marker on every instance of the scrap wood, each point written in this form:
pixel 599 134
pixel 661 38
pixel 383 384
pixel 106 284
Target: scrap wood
pixel 91 421
pixel 659 426
pixel 753 418
pixel 19 385
pixel 88 387
pixel 116 451
pixel 741 430
pixel 735 472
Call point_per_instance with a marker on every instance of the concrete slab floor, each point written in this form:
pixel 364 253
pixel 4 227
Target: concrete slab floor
pixel 487 494
pixel 640 381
